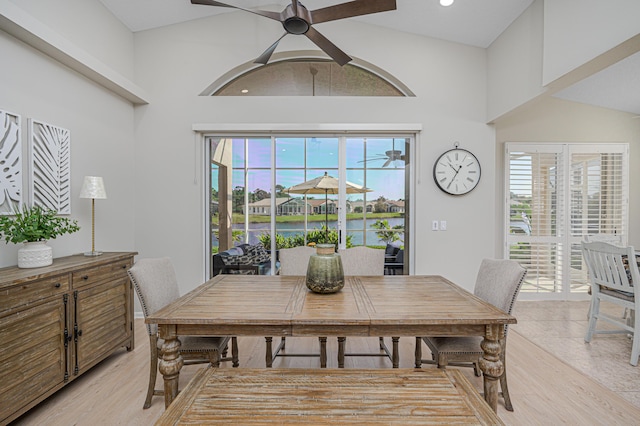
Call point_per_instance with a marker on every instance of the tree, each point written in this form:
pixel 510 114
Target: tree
pixel 387 233
pixel 380 206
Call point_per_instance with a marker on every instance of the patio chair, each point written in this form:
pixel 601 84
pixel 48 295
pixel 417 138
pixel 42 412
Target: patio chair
pixel 294 261
pixel 498 282
pixel 364 261
pixel 615 278
pixel 156 284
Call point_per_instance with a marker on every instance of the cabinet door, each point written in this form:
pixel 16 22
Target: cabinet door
pixel 33 360
pixel 102 320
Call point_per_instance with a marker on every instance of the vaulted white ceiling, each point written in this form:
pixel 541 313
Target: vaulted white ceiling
pixel 472 22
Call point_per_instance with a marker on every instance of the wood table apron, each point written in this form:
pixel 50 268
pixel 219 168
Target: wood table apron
pixel 388 305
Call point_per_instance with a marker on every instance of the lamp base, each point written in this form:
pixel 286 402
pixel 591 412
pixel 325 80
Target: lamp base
pixel 93 253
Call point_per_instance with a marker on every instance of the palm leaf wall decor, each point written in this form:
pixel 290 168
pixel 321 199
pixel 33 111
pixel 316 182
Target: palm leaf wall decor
pixel 50 161
pixel 10 163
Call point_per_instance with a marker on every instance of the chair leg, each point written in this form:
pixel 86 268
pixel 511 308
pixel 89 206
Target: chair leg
pixel 635 347
pixel 442 360
pixel 594 311
pixel 476 369
pixel 341 348
pixel 323 352
pixel 153 370
pixel 214 359
pixel 234 352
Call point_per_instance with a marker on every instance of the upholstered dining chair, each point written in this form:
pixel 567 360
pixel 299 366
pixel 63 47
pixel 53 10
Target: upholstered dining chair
pixel 498 282
pixel 615 278
pixel 363 261
pixel 294 261
pixel 156 285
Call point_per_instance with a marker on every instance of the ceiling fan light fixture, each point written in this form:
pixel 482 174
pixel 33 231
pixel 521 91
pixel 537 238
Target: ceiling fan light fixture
pixel 446 3
pixel 296 25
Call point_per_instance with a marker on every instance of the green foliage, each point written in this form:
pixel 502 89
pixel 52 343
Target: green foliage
pixel 35 224
pixel 315 236
pixel 387 233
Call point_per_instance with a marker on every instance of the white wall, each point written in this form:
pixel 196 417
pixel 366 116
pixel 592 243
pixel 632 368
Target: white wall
pixel 101 126
pixel 176 63
pixel 90 26
pixel 576 31
pixel 515 63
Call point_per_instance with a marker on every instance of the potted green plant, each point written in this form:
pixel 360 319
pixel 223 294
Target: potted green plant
pixel 34 226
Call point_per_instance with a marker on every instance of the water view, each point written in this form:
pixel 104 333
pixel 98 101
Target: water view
pixel 354 228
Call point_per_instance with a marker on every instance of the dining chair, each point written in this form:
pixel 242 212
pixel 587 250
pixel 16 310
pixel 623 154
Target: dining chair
pixel 156 285
pixel 294 261
pixel 498 282
pixel 616 240
pixel 363 261
pixel 614 278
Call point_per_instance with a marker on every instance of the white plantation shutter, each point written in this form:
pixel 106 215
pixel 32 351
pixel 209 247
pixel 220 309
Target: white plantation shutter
pixel 556 195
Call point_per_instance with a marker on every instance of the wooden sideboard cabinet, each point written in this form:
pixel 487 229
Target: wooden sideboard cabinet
pixel 58 321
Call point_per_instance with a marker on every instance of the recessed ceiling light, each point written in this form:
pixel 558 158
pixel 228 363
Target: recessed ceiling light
pixel 244 91
pixel 446 2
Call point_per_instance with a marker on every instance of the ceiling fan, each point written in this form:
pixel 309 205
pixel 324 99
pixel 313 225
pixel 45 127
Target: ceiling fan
pixel 389 157
pixel 298 20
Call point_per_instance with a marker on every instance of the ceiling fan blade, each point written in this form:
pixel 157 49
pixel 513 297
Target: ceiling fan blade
pixel 266 55
pixel 386 163
pixel 272 15
pixel 329 48
pixel 351 9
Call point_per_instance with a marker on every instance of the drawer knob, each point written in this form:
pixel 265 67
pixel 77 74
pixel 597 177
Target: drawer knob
pixel 86 277
pixel 58 285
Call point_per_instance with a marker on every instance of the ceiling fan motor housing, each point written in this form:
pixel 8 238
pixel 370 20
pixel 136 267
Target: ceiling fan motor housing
pixel 298 21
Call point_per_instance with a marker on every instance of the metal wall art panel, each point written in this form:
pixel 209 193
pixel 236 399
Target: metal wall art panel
pixel 10 163
pixel 50 166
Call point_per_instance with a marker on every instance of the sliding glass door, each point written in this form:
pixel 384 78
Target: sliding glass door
pixel 258 195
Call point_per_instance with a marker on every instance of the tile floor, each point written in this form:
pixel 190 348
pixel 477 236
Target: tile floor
pixel 559 328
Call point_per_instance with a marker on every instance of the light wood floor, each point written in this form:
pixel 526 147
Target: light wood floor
pixel 544 390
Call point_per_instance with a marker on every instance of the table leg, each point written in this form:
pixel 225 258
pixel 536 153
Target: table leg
pixel 418 352
pixel 490 363
pixel 170 364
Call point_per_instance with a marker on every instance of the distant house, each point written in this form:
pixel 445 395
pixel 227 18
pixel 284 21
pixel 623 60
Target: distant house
pixel 395 206
pixel 355 205
pixel 263 207
pixel 319 206
pixel 293 206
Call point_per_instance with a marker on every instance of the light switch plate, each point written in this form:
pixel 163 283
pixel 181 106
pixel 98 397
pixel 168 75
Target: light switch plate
pixel 434 225
pixel 443 225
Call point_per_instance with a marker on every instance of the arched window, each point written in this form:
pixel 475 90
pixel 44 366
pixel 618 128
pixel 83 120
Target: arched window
pixel 299 74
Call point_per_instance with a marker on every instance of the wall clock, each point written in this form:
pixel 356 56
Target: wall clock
pixel 456 171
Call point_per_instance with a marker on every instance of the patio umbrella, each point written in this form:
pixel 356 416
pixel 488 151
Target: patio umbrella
pixel 325 185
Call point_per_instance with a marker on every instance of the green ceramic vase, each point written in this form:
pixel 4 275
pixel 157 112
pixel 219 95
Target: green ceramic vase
pixel 324 272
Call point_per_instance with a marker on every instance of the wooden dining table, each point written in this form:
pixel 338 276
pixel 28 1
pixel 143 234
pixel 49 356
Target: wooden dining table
pixel 397 305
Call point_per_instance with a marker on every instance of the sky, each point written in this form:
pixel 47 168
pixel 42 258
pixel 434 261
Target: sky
pixel 365 158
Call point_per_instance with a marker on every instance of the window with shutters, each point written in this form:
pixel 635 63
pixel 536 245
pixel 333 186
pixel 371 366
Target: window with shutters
pixel 557 195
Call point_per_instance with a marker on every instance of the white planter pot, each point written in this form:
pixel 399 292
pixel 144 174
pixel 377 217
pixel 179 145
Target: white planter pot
pixel 35 255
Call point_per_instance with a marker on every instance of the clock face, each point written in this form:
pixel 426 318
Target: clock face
pixel 457 171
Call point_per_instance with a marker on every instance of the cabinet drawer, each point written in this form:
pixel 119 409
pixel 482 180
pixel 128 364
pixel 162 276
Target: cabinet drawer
pixel 31 292
pixel 101 274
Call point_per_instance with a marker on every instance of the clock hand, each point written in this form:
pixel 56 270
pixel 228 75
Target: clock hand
pixel 454 176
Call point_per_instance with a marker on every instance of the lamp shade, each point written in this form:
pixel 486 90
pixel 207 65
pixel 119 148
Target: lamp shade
pixel 93 187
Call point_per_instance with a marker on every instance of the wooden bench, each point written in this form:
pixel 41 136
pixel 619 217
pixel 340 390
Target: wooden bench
pixel 329 396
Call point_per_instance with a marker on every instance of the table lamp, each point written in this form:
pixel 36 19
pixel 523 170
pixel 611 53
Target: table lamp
pixel 93 187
